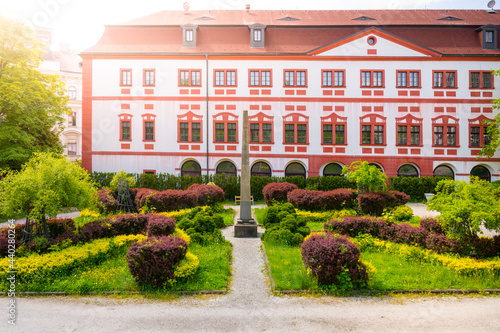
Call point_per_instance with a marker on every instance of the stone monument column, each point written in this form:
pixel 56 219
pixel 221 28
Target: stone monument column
pixel 245 225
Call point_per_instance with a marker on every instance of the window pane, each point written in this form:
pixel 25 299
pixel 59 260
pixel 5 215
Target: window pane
pixel 327 133
pixel 488 38
pixel 196 132
pixel 438 79
pixel 231 132
pixel 327 78
pixel 301 78
pixel 377 79
pixel 378 134
pixel 289 133
pixel 486 80
pixel 474 136
pixel 266 78
pixel 219 78
pixel 195 78
pixel 125 130
pixel 401 79
pixel 339 134
pixel 366 133
pixel 184 79
pixel 230 78
pixel 149 130
pixel 438 135
pixel 339 79
pixel 184 135
pixel 415 135
pixel 219 132
pixel 450 80
pixel 414 79
pixel 261 169
pixel 189 35
pixel 266 132
pixel 407 171
pixel 257 37
pixel 301 133
pixel 332 169
pixel 451 136
pixel 254 132
pixel 443 171
pixel 474 80
pixel 126 78
pixel 254 78
pixel 366 79
pixel 289 79
pixel 150 78
pixel 402 135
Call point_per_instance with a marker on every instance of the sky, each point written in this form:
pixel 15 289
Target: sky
pixel 80 23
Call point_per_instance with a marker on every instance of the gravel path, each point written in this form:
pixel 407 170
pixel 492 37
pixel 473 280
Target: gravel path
pixel 249 307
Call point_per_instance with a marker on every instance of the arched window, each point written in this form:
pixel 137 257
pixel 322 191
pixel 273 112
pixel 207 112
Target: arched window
pixel 377 166
pixel 295 169
pixel 191 168
pixel 444 171
pixel 332 169
pixel 261 169
pixel 227 168
pixel 481 172
pixel 72 93
pixel 407 170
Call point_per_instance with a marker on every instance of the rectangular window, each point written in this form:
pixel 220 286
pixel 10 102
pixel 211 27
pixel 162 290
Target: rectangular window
pixel 125 130
pixel 295 78
pixel 225 78
pixel 488 36
pixel 254 132
pixel 260 78
pixel 366 134
pixel 257 35
pixel 289 133
pixel 408 79
pixel 372 79
pixel 444 79
pixel 301 133
pixel 126 78
pixel 219 78
pixel 481 80
pixel 451 136
pixel 189 78
pixel 474 136
pixel 254 78
pixel 71 148
pixel 415 135
pixel 230 78
pixel 189 35
pixel 414 79
pixel 378 134
pixel 402 136
pixel 474 80
pixel 267 132
pixel 327 133
pixel 366 79
pixel 402 79
pixel 438 135
pixel 149 77
pixel 231 132
pixel 73 119
pixel 184 129
pixel 339 78
pixel 487 80
pixel 219 132
pixel 149 134
pixel 196 132
pixel 339 134
pixel 327 78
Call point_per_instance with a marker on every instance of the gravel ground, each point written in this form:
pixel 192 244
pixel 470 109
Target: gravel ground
pixel 249 307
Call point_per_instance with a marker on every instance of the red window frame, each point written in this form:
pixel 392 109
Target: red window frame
pixel 478 122
pixel 144 77
pixel 372 120
pixel 446 122
pixel 295 78
pixel 125 117
pixel 225 118
pixel 408 71
pixel 146 171
pixel 261 118
pixel 371 78
pixel 333 71
pixel 296 119
pixel 148 117
pixel 409 121
pixel 123 70
pixel 444 79
pixel 334 119
pixel 225 78
pixel 481 80
pixel 260 78
pixel 190 77
pixel 189 118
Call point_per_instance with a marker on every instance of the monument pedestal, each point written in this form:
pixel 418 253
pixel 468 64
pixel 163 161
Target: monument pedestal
pixel 242 229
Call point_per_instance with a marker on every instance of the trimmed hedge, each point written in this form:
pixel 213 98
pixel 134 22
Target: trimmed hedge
pixel 107 200
pixel 159 225
pixel 319 200
pixel 277 192
pixel 415 187
pixel 207 194
pixel 374 203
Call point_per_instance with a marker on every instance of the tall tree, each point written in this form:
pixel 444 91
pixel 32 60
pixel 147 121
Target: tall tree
pixel 32 104
pixel 493 129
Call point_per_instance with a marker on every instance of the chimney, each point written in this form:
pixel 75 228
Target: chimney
pixel 186 8
pixel 247 6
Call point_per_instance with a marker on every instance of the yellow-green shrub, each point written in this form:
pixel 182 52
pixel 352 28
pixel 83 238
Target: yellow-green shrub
pixel 186 267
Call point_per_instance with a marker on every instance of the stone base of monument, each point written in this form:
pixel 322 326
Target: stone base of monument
pixel 246 228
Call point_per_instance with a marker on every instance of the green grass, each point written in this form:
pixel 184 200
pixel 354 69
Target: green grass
pixel 259 214
pixel 393 273
pixel 228 216
pixel 114 275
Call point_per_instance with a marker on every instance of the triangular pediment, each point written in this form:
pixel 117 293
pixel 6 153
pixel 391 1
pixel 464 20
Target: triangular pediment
pixel 373 42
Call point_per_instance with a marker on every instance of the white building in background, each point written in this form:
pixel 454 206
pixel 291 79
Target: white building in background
pixel 67 65
pixel 406 90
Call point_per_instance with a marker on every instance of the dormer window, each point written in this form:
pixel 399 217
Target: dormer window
pixel 189 35
pixel 257 35
pixel 489 36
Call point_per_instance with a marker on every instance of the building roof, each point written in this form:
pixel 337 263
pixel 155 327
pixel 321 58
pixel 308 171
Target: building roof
pixel 451 32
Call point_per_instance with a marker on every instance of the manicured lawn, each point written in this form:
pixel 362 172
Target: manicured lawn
pixel 259 214
pixel 393 273
pixel 114 275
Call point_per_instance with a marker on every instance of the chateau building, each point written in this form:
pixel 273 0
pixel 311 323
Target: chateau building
pixel 406 90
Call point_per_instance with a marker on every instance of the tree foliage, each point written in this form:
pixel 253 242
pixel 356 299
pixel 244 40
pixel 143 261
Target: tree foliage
pixel 368 177
pixel 493 129
pixel 464 207
pixel 46 183
pixel 32 104
pixel 122 174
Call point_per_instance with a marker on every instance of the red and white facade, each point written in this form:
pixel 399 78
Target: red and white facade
pixel 165 93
